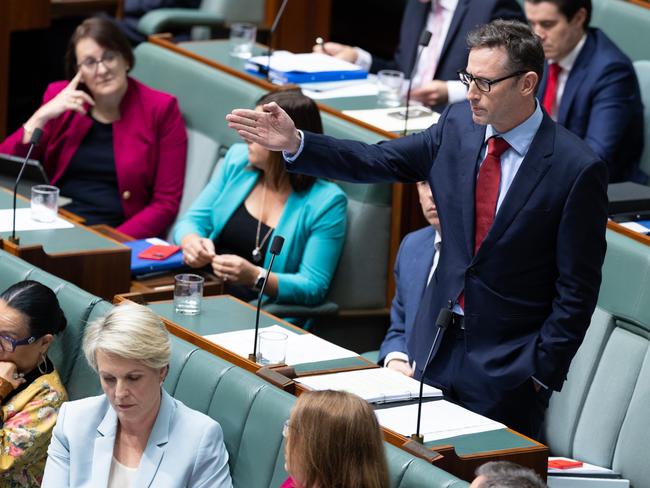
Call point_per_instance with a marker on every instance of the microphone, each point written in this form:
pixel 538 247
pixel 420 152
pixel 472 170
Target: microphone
pixel 33 142
pixel 274 26
pixel 442 322
pixel 276 247
pixel 425 37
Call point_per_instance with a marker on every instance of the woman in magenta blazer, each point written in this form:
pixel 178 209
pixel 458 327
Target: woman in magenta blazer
pixel 112 144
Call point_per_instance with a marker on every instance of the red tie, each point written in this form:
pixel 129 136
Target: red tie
pixel 551 87
pixel 487 194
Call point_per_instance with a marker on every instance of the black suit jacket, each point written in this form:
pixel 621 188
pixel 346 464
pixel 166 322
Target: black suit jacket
pixel 532 287
pixel 469 14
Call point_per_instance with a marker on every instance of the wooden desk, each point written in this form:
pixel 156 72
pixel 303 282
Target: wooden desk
pixel 97 264
pixel 643 239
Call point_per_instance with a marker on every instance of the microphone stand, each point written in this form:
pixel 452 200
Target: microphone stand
pixel 443 321
pixel 274 26
pixel 276 247
pixel 36 136
pixel 425 37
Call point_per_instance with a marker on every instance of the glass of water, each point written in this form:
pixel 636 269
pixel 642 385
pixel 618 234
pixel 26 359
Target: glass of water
pixel 242 38
pixel 389 88
pixel 271 347
pixel 44 203
pixel 188 292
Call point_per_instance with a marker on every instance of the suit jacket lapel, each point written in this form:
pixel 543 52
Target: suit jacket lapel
pixel 574 81
pixel 456 20
pixel 532 169
pixel 103 449
pixel 158 439
pixel 470 152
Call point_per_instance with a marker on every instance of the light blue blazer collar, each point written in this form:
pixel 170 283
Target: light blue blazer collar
pixel 153 453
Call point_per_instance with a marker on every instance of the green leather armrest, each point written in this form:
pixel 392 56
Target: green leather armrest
pixel 161 19
pixel 286 310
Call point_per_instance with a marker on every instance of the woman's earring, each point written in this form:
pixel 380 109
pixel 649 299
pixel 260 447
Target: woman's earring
pixel 42 364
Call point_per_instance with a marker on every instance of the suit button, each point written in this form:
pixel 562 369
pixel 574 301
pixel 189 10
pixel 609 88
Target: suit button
pixel 126 194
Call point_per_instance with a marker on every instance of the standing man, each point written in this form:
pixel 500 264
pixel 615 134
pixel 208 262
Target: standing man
pixel 590 86
pixel 523 209
pixel 415 266
pixel 449 21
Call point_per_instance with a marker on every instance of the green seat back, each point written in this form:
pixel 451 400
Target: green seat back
pixel 627 24
pixel 642 69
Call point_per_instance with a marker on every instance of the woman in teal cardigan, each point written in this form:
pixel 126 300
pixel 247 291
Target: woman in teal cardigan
pixel 252 198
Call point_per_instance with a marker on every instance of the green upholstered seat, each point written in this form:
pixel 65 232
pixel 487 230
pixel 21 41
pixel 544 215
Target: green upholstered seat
pixel 642 69
pixel 600 416
pixel 627 24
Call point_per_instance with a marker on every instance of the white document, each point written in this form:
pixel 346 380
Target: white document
pixel 636 227
pixel 339 89
pixel 440 420
pixel 377 385
pixel 392 120
pixel 284 61
pixel 24 221
pixel 586 468
pixel 301 348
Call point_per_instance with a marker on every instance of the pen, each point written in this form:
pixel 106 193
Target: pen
pixel 321 42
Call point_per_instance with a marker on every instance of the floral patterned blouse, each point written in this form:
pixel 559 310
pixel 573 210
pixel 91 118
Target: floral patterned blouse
pixel 27 417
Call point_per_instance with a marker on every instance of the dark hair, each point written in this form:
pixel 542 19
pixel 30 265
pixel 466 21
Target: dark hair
pixel 569 8
pixel 39 304
pixel 504 474
pixel 304 113
pixel 525 52
pixel 103 32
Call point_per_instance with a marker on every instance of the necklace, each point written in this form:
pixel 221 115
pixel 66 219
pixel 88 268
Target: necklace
pixel 257 255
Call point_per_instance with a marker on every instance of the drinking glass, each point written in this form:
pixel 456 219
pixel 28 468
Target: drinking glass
pixel 188 292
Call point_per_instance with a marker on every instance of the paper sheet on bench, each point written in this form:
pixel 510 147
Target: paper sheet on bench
pixel 379 117
pixel 301 348
pixel 24 221
pixel 440 420
pixel 377 385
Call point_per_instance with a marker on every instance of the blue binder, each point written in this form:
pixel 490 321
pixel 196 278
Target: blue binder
pixel 143 266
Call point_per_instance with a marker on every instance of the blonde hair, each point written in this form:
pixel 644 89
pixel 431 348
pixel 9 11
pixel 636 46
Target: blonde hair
pixel 130 331
pixel 335 442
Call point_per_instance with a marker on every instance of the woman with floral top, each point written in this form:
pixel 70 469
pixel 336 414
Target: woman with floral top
pixel 31 391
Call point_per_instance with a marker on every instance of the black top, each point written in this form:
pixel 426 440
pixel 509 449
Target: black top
pixel 238 237
pixel 90 179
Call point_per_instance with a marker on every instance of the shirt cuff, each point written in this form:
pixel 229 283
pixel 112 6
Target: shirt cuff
pixel 395 355
pixel 456 91
pixel 364 59
pixel 539 383
pixel 290 158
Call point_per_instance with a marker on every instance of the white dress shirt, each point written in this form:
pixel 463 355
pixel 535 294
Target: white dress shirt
pixel 566 64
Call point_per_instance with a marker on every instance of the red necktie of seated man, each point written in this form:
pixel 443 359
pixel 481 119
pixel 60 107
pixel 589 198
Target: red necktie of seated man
pixel 551 87
pixel 487 194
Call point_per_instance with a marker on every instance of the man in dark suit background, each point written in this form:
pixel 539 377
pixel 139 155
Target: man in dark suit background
pixel 523 209
pixel 435 82
pixel 415 264
pixel 590 86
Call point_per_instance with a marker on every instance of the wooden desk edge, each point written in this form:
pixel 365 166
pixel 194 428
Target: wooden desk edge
pixel 616 227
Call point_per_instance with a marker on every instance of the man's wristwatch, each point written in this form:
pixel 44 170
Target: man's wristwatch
pixel 259 282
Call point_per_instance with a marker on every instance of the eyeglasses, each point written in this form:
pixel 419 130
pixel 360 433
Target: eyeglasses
pixel 9 344
pixel 108 59
pixel 483 84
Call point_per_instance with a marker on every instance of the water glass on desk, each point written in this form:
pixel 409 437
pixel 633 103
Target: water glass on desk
pixel 44 203
pixel 242 38
pixel 389 88
pixel 271 347
pixel 188 292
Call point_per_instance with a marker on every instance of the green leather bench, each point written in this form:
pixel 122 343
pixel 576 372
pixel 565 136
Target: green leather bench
pixel 601 414
pixel 251 411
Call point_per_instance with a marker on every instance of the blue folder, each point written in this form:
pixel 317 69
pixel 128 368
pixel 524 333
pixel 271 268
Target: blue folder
pixel 143 266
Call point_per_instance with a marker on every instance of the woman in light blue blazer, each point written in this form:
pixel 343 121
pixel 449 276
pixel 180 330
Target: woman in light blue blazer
pixel 252 198
pixel 135 435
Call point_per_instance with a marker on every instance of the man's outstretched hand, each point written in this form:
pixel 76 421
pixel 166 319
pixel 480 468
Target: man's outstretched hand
pixel 272 128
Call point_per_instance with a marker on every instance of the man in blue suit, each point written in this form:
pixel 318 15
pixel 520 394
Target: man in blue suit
pixel 590 86
pixel 415 264
pixel 523 210
pixel 449 21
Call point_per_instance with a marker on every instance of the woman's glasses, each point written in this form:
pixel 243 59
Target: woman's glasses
pixel 108 59
pixel 9 344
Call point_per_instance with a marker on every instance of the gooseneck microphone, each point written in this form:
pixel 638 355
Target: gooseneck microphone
pixel 442 322
pixel 276 247
pixel 274 26
pixel 425 37
pixel 33 142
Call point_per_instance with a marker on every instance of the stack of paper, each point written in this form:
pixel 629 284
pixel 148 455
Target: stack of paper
pixel 301 348
pixel 377 385
pixel 392 119
pixel 24 221
pixel 440 420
